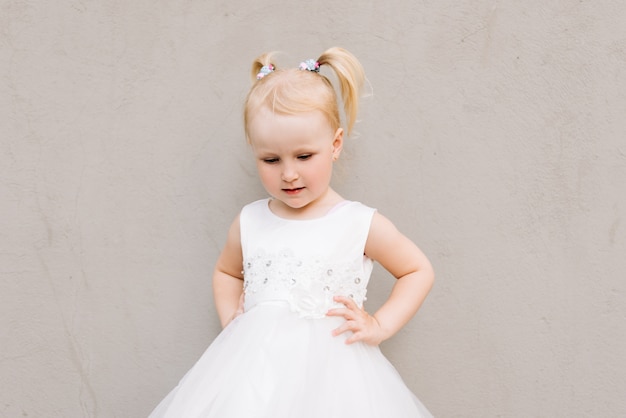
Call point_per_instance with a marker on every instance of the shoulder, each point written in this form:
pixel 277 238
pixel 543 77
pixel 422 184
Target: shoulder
pixel 353 216
pixel 383 237
pixel 256 205
pixel 358 208
pixel 245 217
pixel 381 228
pixel 392 249
pixel 254 209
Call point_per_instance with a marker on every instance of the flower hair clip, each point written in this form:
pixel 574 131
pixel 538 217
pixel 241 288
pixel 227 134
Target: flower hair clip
pixel 265 70
pixel 310 65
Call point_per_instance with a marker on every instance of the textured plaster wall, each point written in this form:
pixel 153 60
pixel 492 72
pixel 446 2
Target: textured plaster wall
pixel 495 138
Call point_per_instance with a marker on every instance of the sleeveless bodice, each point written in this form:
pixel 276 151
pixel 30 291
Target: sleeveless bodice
pixel 305 262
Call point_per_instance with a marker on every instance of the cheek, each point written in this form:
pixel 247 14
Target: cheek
pixel 323 170
pixel 264 171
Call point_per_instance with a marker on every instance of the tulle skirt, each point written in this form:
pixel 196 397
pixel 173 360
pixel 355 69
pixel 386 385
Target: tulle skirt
pixel 271 363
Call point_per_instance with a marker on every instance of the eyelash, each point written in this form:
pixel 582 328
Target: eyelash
pixel 302 157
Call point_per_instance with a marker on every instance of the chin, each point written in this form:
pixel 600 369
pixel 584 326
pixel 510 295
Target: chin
pixel 296 204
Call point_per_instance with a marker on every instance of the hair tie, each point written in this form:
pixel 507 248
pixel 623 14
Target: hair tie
pixel 310 65
pixel 265 70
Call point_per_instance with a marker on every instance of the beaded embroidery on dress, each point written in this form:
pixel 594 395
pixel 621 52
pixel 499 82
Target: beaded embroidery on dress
pixel 279 359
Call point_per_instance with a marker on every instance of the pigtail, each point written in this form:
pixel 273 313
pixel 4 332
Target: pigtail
pixel 260 64
pixel 350 75
pixel 292 91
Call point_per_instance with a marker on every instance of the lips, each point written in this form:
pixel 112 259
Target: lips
pixel 293 191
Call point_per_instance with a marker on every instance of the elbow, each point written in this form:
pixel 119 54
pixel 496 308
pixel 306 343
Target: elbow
pixel 428 275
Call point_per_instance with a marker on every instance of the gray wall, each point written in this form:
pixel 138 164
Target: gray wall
pixel 495 138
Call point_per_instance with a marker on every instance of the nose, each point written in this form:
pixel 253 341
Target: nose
pixel 289 173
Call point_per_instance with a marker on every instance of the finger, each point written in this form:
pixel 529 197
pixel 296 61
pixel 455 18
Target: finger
pixel 346 326
pixel 358 336
pixel 347 301
pixel 355 337
pixel 346 313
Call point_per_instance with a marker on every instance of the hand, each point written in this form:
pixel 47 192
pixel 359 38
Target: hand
pixel 240 308
pixel 364 326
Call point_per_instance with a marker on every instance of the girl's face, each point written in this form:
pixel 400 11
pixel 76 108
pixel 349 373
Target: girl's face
pixel 294 156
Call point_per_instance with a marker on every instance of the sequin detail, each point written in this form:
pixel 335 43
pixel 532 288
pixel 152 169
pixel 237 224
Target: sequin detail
pixel 307 284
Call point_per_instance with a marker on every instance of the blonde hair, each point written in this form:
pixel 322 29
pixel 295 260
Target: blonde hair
pixel 291 90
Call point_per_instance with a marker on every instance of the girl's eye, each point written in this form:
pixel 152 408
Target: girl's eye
pixel 304 157
pixel 270 160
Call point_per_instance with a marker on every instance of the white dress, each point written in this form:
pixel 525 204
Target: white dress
pixel 279 359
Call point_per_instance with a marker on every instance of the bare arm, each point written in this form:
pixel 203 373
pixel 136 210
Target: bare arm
pixel 227 277
pixel 414 274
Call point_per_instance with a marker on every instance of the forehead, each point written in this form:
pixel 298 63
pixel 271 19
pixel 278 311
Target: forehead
pixel 271 129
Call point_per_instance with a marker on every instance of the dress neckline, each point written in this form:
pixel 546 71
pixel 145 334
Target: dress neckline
pixel 330 212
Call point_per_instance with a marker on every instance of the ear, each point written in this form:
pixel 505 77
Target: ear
pixel 337 143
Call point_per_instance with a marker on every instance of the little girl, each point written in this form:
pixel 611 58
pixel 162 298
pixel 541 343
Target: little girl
pixel 297 342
